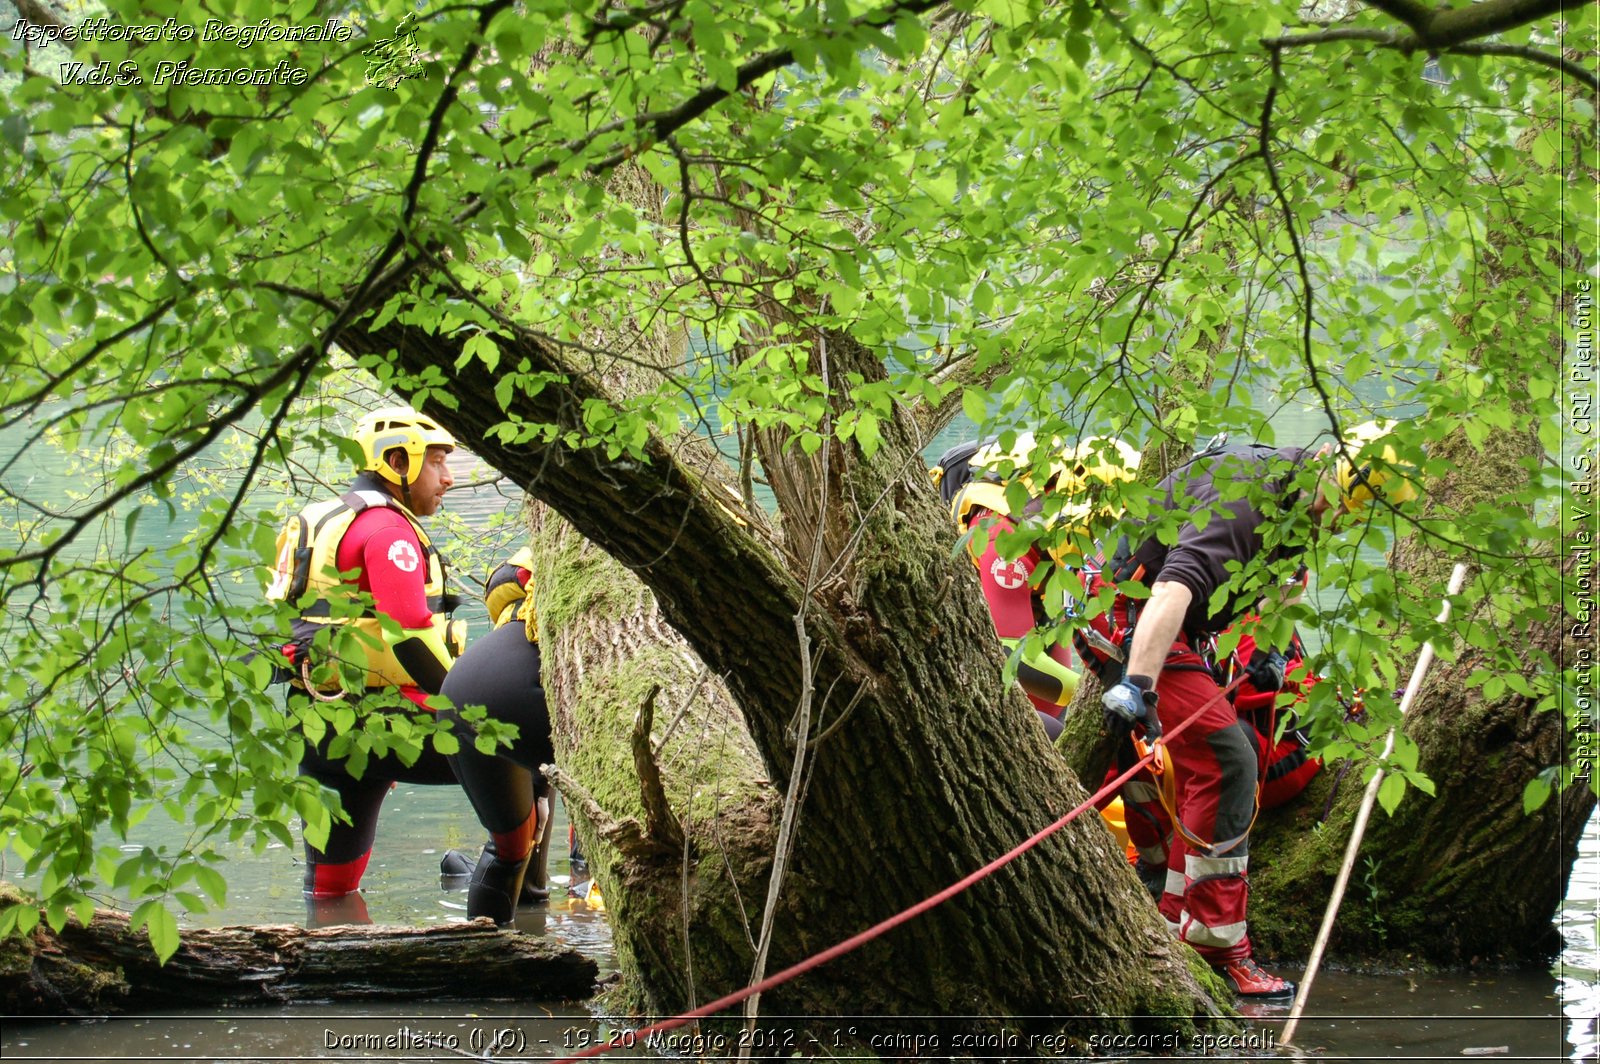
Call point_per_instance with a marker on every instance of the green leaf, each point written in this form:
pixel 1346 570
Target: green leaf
pixel 1535 794
pixel 1077 46
pixel 23 917
pixel 1390 792
pixel 212 882
pixel 160 926
pixel 974 404
pixel 14 130
pixel 867 437
pixel 480 346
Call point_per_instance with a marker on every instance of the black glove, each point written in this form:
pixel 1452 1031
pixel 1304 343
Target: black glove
pixel 1265 671
pixel 1127 704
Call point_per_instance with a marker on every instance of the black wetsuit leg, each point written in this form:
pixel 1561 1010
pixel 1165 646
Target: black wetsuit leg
pixel 362 799
pixel 500 671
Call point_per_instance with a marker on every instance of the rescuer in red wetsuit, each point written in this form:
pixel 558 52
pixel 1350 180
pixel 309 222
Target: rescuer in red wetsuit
pixel 1157 677
pixel 1284 766
pixel 972 480
pixel 382 636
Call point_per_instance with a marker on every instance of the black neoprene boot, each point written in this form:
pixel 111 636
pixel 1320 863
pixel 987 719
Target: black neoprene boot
pixel 495 886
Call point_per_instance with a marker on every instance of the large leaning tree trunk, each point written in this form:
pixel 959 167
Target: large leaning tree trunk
pixel 935 769
pixel 671 802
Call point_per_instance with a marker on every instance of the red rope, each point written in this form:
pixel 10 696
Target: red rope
pixel 856 941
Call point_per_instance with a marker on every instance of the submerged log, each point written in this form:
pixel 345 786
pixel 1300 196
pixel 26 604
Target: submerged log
pixel 106 968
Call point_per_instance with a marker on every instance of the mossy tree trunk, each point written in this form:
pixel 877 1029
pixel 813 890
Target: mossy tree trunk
pixel 617 677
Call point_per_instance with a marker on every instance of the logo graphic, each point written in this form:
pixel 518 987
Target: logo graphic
pixel 1009 576
pixel 403 556
pixel 394 59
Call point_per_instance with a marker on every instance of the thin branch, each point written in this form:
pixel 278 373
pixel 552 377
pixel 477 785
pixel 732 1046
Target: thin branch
pixel 1402 43
pixel 32 402
pixel 257 459
pixel 1184 231
pixel 802 728
pixel 1307 314
pixel 430 137
pixel 300 293
pixel 667 122
pixel 138 215
pixel 157 473
pixel 140 389
pixel 839 719
pixel 1534 55
pixel 683 710
pixel 659 822
pixel 1384 38
pixel 1156 63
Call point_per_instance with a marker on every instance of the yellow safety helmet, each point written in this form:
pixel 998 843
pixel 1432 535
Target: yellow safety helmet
pixel 1076 476
pixel 1373 469
pixel 1081 478
pixel 400 427
pixel 989 468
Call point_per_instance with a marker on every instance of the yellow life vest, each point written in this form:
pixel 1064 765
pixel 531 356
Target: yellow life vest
pixel 307 563
pixel 503 594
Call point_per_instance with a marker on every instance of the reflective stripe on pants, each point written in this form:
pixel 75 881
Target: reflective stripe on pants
pixel 1215 773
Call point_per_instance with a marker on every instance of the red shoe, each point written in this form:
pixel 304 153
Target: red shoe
pixel 1250 980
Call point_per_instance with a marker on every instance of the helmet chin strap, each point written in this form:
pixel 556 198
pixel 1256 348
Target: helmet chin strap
pixel 405 483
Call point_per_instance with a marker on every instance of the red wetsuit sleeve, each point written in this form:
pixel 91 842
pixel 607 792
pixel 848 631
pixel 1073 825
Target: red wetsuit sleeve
pixel 394 571
pixel 384 546
pixel 1005 584
pixel 1009 593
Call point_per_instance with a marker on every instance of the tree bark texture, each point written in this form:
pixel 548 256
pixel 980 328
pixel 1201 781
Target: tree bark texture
pixel 105 968
pixel 682 919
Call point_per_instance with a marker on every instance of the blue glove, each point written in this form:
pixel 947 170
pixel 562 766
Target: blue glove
pixel 1265 671
pixel 1127 704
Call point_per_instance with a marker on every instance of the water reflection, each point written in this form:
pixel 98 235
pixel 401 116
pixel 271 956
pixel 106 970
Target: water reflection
pixel 1578 971
pixel 1415 1016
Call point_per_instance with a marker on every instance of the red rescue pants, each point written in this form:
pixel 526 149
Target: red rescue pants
pixel 1214 764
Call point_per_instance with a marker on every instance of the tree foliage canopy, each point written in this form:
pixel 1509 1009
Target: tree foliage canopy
pixel 1159 221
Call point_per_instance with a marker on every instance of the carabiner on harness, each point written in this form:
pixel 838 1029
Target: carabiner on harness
pixel 311 688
